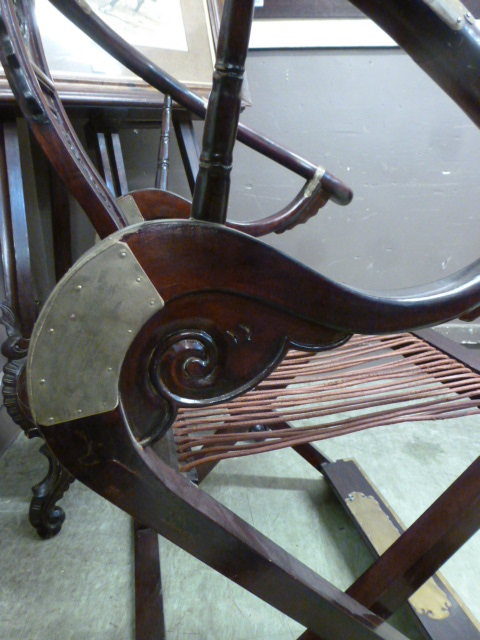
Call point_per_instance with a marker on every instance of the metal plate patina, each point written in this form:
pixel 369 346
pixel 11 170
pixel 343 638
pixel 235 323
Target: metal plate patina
pixel 130 208
pixel 429 600
pixel 452 12
pixel 84 331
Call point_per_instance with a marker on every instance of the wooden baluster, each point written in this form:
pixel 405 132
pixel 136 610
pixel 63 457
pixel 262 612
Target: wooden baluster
pixel 118 164
pixel 110 158
pixel 210 198
pixel 161 176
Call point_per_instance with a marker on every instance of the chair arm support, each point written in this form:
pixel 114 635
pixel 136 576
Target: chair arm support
pixel 304 206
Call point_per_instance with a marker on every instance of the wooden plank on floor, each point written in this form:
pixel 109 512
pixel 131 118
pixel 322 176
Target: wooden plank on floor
pixel 439 611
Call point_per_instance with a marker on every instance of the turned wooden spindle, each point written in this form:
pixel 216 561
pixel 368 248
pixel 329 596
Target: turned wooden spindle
pixel 210 198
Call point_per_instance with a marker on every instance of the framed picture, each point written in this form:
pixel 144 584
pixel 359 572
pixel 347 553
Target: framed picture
pixel 178 35
pixel 326 9
pixel 305 9
pixel 300 24
pixel 284 24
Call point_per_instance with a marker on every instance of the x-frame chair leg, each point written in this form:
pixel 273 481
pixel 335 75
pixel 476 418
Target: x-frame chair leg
pixel 102 453
pixel 419 552
pixel 149 615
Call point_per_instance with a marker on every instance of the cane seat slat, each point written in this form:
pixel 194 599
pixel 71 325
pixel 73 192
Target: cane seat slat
pixel 370 381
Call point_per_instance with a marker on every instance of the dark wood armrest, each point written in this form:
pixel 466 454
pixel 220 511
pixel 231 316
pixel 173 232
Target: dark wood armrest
pixel 155 204
pixel 470 316
pixel 304 206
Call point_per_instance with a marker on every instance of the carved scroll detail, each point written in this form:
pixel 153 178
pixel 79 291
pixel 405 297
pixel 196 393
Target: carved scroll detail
pixel 185 361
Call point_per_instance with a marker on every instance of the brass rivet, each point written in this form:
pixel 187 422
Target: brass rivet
pixel 78 287
pixel 79 411
pixel 109 368
pixel 51 330
pixel 42 381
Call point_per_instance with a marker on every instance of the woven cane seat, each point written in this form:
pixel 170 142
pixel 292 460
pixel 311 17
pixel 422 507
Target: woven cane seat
pixel 368 382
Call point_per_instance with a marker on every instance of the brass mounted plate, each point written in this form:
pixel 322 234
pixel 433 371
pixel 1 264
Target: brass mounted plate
pixel 85 329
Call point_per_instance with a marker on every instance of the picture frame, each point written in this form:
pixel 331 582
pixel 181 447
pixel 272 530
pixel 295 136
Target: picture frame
pixel 304 24
pixel 85 75
pixel 301 24
pixel 305 9
pixel 324 9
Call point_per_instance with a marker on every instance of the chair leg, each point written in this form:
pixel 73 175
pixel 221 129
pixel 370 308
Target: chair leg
pixel 149 618
pixel 101 452
pixel 149 612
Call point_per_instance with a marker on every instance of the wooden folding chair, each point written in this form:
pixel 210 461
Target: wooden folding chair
pixel 178 320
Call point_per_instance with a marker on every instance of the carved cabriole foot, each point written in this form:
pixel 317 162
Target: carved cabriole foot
pixel 45 515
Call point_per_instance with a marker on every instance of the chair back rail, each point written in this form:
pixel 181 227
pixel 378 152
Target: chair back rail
pixel 441 37
pixel 46 117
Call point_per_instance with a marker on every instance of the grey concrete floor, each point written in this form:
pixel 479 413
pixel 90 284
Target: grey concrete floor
pixel 79 586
